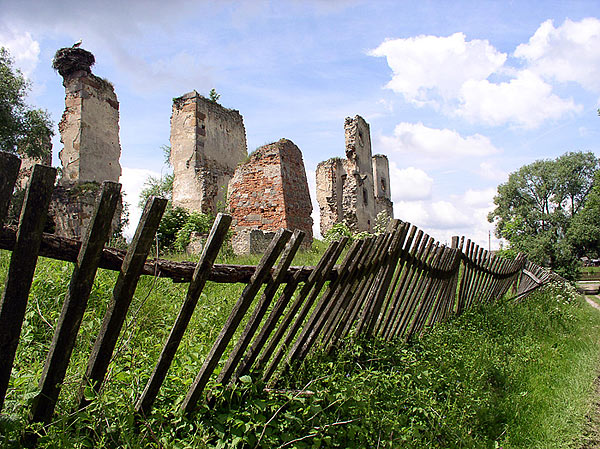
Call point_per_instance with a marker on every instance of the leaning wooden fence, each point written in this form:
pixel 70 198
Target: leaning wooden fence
pixel 390 286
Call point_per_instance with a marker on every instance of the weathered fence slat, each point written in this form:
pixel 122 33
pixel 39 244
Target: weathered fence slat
pixel 239 310
pixel 203 268
pixel 393 298
pixel 260 309
pixel 122 296
pixel 9 171
pixel 75 303
pixel 22 266
pixel 341 301
pixel 295 316
pixel 413 293
pixel 301 345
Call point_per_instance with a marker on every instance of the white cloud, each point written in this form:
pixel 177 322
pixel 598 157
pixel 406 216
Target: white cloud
pixel 426 65
pixel 132 180
pixel 474 80
pixel 526 100
pixel 418 139
pixel 487 170
pixel 23 49
pixel 479 198
pixel 570 52
pixel 409 184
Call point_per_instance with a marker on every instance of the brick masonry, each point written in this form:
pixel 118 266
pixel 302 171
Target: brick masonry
pixel 270 191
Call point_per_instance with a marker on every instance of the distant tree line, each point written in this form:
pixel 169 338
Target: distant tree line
pixel 550 210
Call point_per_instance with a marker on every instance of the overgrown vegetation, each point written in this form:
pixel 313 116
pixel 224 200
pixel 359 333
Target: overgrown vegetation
pixel 22 128
pixel 511 375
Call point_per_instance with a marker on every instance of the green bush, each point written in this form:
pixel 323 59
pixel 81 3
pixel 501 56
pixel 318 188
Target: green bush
pixel 195 222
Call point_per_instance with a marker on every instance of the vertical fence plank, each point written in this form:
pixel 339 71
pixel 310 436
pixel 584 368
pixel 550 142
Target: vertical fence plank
pixel 213 244
pixel 9 171
pixel 261 309
pixel 297 313
pixel 75 303
pixel 302 343
pixel 122 295
pixel 233 321
pixel 22 266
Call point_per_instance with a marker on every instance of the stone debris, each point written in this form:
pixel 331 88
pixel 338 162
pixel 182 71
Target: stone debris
pixel 208 141
pixel 346 188
pixel 269 192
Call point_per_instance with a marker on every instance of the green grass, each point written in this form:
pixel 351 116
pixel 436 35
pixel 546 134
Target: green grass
pixel 510 375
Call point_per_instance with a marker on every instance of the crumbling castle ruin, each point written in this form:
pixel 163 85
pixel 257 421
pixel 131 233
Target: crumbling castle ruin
pixel 356 189
pixel 269 192
pixel 208 141
pixel 89 131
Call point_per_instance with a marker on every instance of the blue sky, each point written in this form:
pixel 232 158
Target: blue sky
pixel 458 94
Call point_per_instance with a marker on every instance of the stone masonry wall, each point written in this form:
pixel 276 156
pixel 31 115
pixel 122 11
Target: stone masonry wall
pixel 270 191
pixel 381 178
pixel 346 191
pixel 208 141
pixel 89 130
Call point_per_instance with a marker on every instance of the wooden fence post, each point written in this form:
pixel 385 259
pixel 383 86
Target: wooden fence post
pixel 22 266
pixel 9 171
pixel 233 321
pixel 214 242
pixel 75 303
pixel 122 295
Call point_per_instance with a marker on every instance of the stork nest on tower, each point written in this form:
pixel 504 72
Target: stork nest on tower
pixel 70 60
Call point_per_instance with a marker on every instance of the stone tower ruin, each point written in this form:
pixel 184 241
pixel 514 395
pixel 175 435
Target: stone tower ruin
pixel 89 128
pixel 269 192
pixel 346 188
pixel 89 131
pixel 208 141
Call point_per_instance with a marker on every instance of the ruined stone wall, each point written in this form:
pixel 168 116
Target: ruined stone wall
pixel 381 178
pixel 330 192
pixel 89 130
pixel 208 141
pixel 270 191
pixel 27 164
pixel 359 200
pixel 346 190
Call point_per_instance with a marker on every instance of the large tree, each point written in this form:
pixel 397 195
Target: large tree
pixel 540 203
pixel 22 128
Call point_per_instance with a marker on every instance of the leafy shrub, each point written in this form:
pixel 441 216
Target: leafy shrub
pixel 195 222
pixel 172 221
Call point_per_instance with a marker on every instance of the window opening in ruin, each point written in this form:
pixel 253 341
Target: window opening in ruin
pixel 383 184
pixel 365 196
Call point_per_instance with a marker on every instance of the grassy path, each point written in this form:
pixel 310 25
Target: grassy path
pixel 591 437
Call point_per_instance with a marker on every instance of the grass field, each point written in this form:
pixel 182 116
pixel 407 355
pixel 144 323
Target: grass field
pixel 510 375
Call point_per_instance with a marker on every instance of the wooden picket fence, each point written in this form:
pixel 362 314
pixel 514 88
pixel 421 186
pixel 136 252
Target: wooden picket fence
pixel 391 286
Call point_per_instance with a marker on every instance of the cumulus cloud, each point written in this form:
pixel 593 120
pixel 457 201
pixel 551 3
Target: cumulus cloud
pixel 526 100
pixel 487 170
pixel 410 184
pixel 473 80
pixel 570 52
pixel 479 198
pixel 23 49
pixel 416 138
pixel 426 65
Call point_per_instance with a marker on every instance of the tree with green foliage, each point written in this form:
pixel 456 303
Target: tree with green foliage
pixel 537 206
pixel 22 128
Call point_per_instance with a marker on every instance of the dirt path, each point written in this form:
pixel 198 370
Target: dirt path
pixel 593 303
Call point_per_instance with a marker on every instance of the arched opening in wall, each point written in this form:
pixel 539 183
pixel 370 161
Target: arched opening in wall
pixel 365 196
pixel 383 184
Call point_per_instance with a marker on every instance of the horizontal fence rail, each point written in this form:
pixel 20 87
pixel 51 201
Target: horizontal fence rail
pixel 390 286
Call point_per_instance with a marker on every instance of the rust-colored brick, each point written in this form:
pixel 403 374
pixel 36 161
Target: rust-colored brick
pixel 270 191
